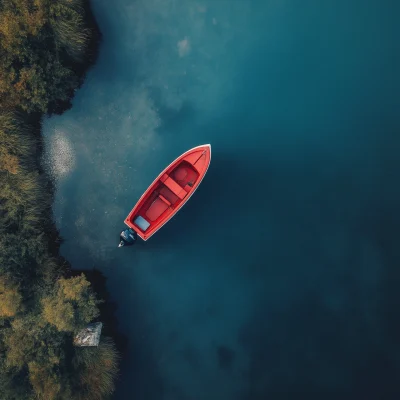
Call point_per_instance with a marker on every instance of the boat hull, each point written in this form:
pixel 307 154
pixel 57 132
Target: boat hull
pixel 169 192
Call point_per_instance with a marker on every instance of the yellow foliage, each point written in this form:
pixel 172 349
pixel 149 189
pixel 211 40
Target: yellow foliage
pixel 45 383
pixel 74 288
pixel 58 312
pixel 53 360
pixel 15 27
pixel 9 162
pixel 19 345
pixel 10 299
pixel 36 38
pixel 71 306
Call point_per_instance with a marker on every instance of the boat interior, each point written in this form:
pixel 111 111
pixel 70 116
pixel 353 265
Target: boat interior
pixel 171 190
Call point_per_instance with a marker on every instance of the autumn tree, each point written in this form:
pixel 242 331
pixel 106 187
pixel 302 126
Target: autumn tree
pixel 44 381
pixel 10 298
pixel 20 347
pixel 71 305
pixel 39 39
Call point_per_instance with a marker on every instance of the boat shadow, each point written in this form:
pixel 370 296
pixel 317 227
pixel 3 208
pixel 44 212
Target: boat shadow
pixel 214 207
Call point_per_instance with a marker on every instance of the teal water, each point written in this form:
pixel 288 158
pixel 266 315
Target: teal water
pixel 279 279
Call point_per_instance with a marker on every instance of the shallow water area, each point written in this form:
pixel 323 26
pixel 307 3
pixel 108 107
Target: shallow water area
pixel 279 278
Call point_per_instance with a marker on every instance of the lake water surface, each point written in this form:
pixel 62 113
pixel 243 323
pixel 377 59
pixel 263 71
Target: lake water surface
pixel 280 277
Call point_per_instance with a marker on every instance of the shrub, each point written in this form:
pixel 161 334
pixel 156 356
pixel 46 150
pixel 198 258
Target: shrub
pixel 98 369
pixel 72 304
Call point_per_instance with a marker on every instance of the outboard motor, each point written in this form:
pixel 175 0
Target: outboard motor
pixel 127 237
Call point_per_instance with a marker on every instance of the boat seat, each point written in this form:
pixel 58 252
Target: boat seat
pixel 157 207
pixel 141 223
pixel 164 199
pixel 168 194
pixel 173 186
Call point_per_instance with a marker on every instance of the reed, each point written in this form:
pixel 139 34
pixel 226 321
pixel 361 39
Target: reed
pixel 98 370
pixel 68 24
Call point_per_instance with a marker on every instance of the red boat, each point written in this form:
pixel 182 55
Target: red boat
pixel 169 191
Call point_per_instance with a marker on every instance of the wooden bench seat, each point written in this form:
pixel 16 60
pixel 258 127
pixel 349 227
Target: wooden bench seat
pixel 173 186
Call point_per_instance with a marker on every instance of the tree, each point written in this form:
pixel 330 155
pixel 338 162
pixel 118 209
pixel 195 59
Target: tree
pixel 10 298
pixel 45 382
pixel 13 386
pixel 20 348
pixel 71 305
pixel 39 39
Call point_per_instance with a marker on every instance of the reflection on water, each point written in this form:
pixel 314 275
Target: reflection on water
pixel 60 157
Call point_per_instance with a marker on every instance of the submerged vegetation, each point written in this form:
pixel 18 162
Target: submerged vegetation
pixel 44 47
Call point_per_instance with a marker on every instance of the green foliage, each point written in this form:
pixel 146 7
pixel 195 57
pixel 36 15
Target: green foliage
pixel 14 386
pixel 28 338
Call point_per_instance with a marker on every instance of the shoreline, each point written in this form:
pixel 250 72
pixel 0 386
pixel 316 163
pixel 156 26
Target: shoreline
pixel 44 288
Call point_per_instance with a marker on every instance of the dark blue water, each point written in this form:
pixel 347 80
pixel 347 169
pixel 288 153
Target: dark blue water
pixel 280 278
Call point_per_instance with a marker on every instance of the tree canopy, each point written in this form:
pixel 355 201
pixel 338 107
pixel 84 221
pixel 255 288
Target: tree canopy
pixel 71 305
pixel 39 41
pixel 10 298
